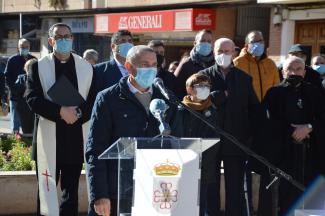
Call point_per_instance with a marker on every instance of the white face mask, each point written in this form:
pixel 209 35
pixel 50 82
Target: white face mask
pixel 202 93
pixel 223 60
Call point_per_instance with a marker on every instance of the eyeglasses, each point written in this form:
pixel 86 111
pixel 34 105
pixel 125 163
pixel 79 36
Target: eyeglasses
pixel 201 85
pixel 59 37
pixel 257 41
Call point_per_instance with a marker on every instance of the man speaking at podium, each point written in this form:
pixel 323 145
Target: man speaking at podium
pixel 120 111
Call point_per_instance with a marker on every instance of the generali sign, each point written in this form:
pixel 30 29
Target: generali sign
pixel 157 21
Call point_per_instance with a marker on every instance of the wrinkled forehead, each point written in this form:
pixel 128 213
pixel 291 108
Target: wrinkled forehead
pixel 293 65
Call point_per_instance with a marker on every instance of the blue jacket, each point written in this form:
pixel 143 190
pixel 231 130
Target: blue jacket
pixel 116 113
pixel 15 67
pixel 107 74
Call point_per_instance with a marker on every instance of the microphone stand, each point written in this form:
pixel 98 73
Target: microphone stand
pixel 278 173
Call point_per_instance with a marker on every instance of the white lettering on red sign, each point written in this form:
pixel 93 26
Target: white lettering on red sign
pixel 140 22
pixel 203 19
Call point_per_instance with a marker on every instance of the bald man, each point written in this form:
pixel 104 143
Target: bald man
pixel 233 117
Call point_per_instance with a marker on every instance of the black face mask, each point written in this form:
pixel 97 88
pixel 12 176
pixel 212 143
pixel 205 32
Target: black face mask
pixel 294 80
pixel 160 60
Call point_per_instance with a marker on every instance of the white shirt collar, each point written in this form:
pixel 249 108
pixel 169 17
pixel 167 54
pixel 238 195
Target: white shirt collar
pixel 134 90
pixel 121 67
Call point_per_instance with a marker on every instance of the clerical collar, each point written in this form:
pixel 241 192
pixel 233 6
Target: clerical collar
pixel 61 61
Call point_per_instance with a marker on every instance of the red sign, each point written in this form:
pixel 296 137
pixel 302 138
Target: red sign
pixel 157 21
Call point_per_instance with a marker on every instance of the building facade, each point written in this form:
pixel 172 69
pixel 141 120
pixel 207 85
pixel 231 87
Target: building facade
pixel 296 21
pixel 231 18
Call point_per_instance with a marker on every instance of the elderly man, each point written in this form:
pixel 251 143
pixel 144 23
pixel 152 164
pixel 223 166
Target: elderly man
pixel 254 61
pixel 110 72
pixel 14 68
pixel 91 56
pixel 120 111
pixel 295 113
pixel 201 57
pixel 62 130
pixel 311 75
pixel 240 103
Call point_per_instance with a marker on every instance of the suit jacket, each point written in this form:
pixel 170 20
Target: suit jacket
pixel 240 110
pixel 107 74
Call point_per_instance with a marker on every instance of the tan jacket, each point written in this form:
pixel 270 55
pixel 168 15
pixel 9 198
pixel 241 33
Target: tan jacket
pixel 264 71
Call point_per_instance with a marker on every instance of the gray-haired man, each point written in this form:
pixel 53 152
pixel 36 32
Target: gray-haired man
pixel 15 67
pixel 120 111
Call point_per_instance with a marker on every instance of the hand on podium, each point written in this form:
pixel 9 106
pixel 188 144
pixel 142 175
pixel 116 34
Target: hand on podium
pixel 103 207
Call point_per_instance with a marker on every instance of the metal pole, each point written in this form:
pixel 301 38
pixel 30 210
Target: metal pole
pixel 20 25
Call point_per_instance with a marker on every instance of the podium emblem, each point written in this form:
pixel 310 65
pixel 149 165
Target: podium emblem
pixel 165 198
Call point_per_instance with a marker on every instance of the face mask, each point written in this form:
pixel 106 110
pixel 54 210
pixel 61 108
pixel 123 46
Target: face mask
pixel 24 51
pixel 146 76
pixel 294 80
pixel 63 46
pixel 160 60
pixel 204 48
pixel 223 60
pixel 256 49
pixel 123 49
pixel 202 93
pixel 320 68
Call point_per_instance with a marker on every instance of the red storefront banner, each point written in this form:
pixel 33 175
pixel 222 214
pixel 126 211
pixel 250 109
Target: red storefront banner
pixel 157 21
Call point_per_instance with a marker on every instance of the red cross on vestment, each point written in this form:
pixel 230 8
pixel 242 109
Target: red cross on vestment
pixel 46 174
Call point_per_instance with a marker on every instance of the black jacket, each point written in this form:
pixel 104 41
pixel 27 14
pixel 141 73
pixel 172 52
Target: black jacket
pixel 279 145
pixel 107 74
pixel 15 67
pixel 69 137
pixel 116 113
pixel 186 125
pixel 240 112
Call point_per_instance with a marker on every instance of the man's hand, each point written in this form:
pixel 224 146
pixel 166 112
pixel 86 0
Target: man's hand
pixel 301 132
pixel 69 114
pixel 103 207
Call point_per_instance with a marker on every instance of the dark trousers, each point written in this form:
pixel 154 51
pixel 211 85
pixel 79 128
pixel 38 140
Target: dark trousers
pixel 234 178
pixel 68 174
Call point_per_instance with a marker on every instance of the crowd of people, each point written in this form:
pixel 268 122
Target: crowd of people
pixel 278 112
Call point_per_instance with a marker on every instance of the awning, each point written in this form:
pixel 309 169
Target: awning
pixel 191 19
pixel 288 1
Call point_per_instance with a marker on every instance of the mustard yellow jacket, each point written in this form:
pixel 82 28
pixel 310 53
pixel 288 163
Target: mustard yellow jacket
pixel 264 71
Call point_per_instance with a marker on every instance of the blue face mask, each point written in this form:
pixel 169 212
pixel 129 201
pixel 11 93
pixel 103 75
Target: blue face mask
pixel 320 68
pixel 203 48
pixel 123 49
pixel 63 46
pixel 24 51
pixel 146 76
pixel 256 49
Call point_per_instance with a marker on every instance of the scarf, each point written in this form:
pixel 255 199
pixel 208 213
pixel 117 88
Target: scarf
pixel 202 105
pixel 204 61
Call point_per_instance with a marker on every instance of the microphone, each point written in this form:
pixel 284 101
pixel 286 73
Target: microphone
pixel 158 109
pixel 158 83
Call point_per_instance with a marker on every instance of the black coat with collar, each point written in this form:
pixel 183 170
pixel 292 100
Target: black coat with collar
pixel 279 146
pixel 116 113
pixel 240 111
pixel 107 74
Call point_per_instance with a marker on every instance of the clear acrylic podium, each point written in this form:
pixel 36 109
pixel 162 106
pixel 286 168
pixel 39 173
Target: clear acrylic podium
pixel 160 175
